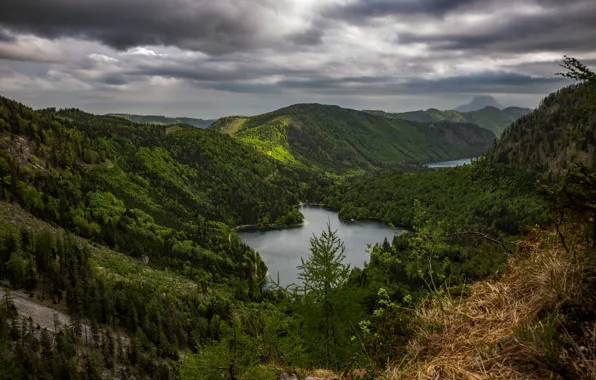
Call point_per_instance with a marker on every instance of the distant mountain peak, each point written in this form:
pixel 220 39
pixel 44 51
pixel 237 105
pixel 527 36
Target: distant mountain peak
pixel 480 102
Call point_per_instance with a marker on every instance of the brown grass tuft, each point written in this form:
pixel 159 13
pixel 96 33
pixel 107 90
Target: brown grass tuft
pixel 536 322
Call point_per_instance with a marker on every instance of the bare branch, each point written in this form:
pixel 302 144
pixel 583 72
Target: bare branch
pixel 485 237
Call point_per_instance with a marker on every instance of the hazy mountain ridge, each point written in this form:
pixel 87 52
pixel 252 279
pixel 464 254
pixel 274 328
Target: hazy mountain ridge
pixel 335 138
pixel 489 117
pixel 164 120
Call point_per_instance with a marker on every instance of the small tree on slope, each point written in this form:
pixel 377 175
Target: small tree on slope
pixel 322 274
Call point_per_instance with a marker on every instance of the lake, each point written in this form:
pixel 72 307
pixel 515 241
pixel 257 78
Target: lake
pixel 449 164
pixel 281 249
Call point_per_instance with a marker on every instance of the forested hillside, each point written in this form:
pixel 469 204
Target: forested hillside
pixel 164 120
pixel 338 139
pixel 130 229
pixel 167 196
pixel 552 138
pixel 149 263
pixel 536 320
pixel 491 118
pixel 473 197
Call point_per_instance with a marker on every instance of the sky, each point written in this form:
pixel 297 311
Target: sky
pixel 213 58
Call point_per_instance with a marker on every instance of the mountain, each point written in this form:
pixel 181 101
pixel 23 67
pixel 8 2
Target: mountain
pixel 119 256
pixel 163 120
pixel 130 228
pixel 146 189
pixel 430 115
pixel 552 137
pixel 337 139
pixel 555 144
pixel 517 112
pixel 489 117
pixel 478 103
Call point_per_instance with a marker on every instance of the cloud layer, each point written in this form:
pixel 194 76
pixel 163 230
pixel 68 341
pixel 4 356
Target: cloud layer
pixel 213 58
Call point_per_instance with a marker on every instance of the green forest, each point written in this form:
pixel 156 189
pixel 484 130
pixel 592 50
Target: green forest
pixel 131 230
pixel 340 140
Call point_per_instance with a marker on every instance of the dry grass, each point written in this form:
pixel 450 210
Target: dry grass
pixel 522 326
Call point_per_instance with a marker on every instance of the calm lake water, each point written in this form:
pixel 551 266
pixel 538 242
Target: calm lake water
pixel 450 164
pixel 281 249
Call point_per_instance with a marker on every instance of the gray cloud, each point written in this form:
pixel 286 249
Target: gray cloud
pixel 112 79
pixel 214 27
pixel 362 9
pixel 11 52
pixel 489 82
pixel 5 36
pixel 312 36
pixel 196 71
pixel 214 58
pixel 562 26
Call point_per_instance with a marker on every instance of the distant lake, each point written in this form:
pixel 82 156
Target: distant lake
pixel 281 249
pixel 450 164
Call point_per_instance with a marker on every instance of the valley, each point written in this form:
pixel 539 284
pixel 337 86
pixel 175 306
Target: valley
pixel 136 233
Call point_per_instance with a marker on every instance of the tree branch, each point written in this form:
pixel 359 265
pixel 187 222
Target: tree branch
pixel 485 237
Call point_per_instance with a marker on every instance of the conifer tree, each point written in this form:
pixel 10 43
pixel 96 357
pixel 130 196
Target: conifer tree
pixel 322 274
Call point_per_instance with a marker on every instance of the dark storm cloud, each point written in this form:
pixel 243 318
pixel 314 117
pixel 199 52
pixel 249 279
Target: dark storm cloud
pixel 195 73
pixel 565 26
pixel 192 73
pixel 243 88
pixel 112 79
pixel 489 82
pixel 214 27
pixel 312 36
pixel 362 9
pixel 5 36
pixel 150 52
pixel 322 84
pixel 215 69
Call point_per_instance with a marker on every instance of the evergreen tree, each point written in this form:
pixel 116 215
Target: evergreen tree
pixel 322 275
pixel 16 269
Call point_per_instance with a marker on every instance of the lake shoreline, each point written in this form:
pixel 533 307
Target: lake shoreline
pixel 277 226
pixel 282 249
pixel 272 226
pixel 450 163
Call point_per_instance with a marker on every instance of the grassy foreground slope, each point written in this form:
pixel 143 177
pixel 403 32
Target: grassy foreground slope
pixel 338 139
pixel 536 320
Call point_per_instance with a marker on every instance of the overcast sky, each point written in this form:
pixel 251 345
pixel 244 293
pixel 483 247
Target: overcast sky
pixel 211 58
